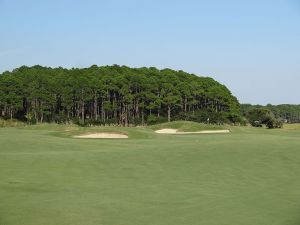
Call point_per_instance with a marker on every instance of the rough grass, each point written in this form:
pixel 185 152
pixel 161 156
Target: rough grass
pixel 291 126
pixel 11 123
pixel 249 177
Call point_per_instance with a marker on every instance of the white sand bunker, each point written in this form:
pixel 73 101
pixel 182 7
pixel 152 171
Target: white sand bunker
pixel 102 135
pixel 166 131
pixel 175 131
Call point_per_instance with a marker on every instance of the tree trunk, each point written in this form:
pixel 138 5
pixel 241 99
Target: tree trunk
pixel 95 107
pixel 169 113
pixel 82 111
pixel 82 106
pixel 4 111
pixel 102 111
pixel 35 113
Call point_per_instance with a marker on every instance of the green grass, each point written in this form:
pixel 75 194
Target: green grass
pixel 248 177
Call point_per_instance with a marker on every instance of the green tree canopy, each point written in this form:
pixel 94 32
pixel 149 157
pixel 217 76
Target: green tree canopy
pixel 113 94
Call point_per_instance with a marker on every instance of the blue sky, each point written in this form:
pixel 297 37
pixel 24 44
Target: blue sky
pixel 251 46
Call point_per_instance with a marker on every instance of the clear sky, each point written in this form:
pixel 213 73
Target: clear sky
pixel 252 46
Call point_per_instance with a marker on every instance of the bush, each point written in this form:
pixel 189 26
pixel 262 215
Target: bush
pixel 259 117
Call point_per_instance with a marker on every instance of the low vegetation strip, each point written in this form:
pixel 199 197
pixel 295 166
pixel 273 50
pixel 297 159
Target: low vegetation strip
pixel 11 123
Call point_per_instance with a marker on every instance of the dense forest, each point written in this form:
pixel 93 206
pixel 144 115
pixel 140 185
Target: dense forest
pixel 113 95
pixel 287 113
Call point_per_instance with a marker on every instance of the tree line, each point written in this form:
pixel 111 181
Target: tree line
pixel 258 117
pixel 286 112
pixel 113 95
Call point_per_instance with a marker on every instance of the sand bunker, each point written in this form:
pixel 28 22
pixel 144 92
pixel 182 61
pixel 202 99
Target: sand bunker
pixel 102 135
pixel 166 131
pixel 175 131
